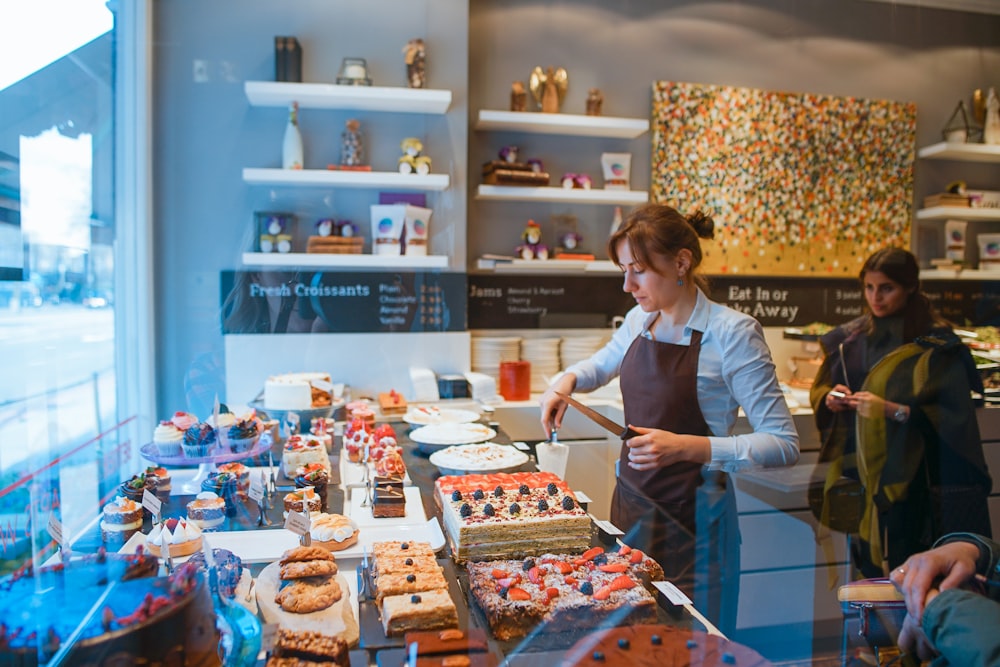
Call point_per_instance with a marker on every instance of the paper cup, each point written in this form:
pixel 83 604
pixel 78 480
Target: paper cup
pixel 417 221
pixel 989 252
pixel 387 228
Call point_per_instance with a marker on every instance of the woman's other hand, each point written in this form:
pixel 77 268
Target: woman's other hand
pixel 654 448
pixel 913 641
pixel 552 406
pixel 835 402
pixel 868 404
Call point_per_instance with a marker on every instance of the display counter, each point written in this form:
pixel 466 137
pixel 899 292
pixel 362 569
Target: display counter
pixel 259 538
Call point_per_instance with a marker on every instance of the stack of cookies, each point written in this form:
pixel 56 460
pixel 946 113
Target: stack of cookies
pixel 410 589
pixel 307 581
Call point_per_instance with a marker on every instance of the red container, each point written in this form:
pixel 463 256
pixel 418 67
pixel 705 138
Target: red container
pixel 515 380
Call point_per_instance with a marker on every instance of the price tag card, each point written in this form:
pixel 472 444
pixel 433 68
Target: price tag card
pixel 256 490
pixel 297 522
pixel 267 635
pixel 55 529
pixel 151 502
pixel 520 445
pixel 674 594
pixel 582 497
pixel 607 527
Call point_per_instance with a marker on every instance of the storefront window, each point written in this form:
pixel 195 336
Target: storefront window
pixel 60 422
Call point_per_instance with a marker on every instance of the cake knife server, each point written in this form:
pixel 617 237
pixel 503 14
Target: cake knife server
pixel 622 432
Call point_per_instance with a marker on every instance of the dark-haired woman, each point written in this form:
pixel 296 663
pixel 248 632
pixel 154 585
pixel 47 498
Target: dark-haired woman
pixel 893 402
pixel 686 366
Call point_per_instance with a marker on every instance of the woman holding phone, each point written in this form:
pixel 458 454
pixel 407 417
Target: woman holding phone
pixel 893 402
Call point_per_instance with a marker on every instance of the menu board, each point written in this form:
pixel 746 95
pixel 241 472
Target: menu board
pixel 339 302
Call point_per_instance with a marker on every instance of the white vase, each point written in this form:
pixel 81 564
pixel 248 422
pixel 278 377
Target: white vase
pixel 991 128
pixel 291 148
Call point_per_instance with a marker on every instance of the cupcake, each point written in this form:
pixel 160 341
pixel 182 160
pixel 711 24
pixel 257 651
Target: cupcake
pixel 316 476
pixel 228 566
pixel 224 421
pixel 167 439
pixel 207 510
pixel 224 485
pixel 120 520
pixel 162 478
pixel 241 473
pixel 184 420
pixel 244 433
pixel 198 440
pixel 134 488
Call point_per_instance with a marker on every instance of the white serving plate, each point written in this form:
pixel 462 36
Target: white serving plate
pixel 363 515
pixel 479 458
pixel 416 417
pixel 452 434
pixel 265 546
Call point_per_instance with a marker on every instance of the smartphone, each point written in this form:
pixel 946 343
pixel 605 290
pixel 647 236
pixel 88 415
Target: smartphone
pixel 838 394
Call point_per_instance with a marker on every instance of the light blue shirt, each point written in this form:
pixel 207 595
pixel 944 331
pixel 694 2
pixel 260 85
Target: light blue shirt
pixel 735 370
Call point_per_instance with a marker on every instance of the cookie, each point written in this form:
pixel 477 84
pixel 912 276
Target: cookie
pixel 300 554
pixel 307 568
pixel 303 596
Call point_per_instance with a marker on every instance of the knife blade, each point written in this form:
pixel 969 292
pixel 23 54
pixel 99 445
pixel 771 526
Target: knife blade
pixel 622 432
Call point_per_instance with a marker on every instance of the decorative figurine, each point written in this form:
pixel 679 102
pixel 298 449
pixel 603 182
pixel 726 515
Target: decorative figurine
pixel 532 248
pixel 415 56
pixel 324 227
pixel 536 165
pixel 959 129
pixel 412 161
pixel 595 101
pixel 291 147
pixel 345 228
pixel 508 154
pixel 549 88
pixel 571 181
pixel 570 240
pixel 991 126
pixel 353 72
pixel 518 97
pixel 352 151
pixel 275 232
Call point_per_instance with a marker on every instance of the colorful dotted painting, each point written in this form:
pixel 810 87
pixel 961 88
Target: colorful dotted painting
pixel 797 184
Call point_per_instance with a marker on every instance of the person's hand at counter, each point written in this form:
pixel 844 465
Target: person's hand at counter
pixel 913 641
pixel 552 407
pixel 654 448
pixel 948 566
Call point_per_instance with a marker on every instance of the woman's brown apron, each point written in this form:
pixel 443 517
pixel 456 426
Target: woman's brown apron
pixel 682 518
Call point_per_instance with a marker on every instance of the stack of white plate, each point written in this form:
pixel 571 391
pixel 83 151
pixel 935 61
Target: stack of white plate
pixel 489 351
pixel 578 348
pixel 543 354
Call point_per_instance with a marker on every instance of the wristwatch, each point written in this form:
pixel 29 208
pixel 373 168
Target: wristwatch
pixel 900 414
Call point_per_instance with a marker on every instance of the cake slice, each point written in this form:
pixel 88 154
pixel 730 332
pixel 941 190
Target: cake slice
pixel 403 549
pixel 389 502
pixel 312 646
pixel 429 610
pixel 405 564
pixel 392 403
pixel 387 585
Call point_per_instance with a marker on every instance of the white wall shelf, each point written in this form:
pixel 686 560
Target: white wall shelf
pixel 561 195
pixel 336 261
pixel 561 123
pixel 959 213
pixel 360 98
pixel 550 266
pixel 960 151
pixel 344 178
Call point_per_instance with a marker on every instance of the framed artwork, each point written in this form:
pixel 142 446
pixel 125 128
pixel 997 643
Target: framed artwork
pixel 797 183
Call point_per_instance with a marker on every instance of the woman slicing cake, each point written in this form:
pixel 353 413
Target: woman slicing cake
pixel 686 366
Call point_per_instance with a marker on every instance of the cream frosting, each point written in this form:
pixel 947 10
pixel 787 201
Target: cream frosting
pixel 184 420
pixel 167 432
pixel 226 419
pixel 331 528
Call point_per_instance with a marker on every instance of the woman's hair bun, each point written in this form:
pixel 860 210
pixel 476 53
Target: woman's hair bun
pixel 703 224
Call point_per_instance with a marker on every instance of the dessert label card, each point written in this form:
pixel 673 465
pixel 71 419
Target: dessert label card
pixel 298 523
pixel 151 502
pixel 256 490
pixel 674 594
